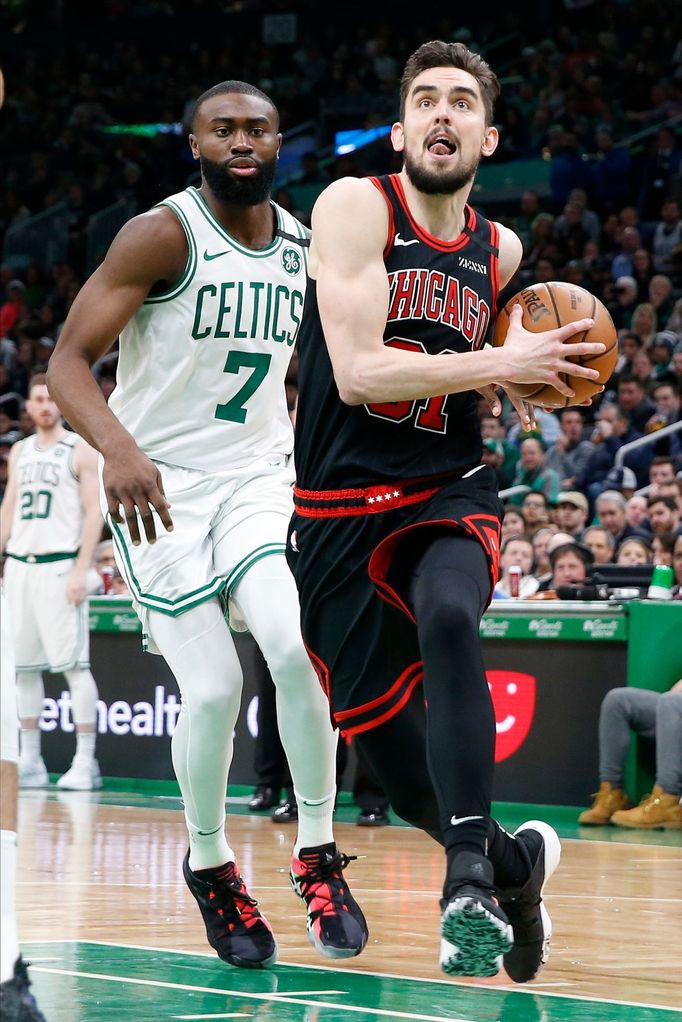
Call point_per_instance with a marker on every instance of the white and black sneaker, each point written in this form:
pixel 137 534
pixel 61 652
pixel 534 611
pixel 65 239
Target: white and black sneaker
pixel 475 932
pixel 524 906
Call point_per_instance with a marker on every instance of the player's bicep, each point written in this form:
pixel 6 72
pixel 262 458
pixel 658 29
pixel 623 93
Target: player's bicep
pixel 85 465
pixel 511 251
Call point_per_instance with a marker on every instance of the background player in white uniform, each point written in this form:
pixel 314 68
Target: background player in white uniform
pixel 206 291
pixel 51 524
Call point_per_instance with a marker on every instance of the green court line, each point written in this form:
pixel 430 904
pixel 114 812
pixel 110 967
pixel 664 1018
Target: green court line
pixel 132 982
pixel 142 793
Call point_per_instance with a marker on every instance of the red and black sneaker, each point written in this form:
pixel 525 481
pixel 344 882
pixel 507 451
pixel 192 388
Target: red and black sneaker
pixel 235 928
pixel 336 925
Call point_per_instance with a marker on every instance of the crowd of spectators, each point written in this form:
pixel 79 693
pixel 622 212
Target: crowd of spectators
pixel 573 87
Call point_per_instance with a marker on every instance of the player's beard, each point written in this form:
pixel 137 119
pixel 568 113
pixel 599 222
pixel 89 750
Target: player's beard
pixel 431 183
pixel 239 191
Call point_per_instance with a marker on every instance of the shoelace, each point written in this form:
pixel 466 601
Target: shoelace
pixel 329 873
pixel 232 899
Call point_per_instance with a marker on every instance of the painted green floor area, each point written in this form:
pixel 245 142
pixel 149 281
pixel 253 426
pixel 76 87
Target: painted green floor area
pixel 165 795
pixel 87 982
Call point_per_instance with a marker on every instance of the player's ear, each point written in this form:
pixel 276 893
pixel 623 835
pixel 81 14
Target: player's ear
pixel 194 146
pixel 492 137
pixel 398 137
pixel 279 143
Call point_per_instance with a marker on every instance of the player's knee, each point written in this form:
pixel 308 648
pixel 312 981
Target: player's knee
pixel 614 701
pixel 287 659
pixel 448 614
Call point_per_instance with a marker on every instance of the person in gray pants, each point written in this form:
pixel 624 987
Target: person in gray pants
pixel 652 715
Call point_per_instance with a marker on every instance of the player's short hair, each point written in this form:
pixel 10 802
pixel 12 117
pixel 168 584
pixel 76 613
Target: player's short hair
pixel 222 88
pixel 662 498
pixel 37 380
pixel 440 54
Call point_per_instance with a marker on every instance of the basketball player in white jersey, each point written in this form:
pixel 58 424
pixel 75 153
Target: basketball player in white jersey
pixel 206 291
pixel 51 524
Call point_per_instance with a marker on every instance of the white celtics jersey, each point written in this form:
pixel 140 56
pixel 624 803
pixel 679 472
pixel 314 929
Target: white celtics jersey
pixel 48 517
pixel 200 380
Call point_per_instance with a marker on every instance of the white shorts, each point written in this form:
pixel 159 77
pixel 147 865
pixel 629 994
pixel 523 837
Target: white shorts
pixel 50 634
pixel 223 523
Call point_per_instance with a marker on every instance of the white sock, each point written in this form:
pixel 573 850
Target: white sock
pixel 30 744
pixel 9 945
pixel 314 822
pixel 85 746
pixel 206 851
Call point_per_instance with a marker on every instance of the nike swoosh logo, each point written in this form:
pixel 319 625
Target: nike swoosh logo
pixel 215 255
pixel 401 241
pixel 454 820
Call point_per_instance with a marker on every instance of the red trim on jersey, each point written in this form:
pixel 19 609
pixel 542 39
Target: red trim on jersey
pixel 376 721
pixel 494 266
pixel 321 670
pixel 484 528
pixel 391 222
pixel 422 234
pixel 380 498
pixel 380 700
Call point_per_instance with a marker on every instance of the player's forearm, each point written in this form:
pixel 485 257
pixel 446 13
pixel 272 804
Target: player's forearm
pixel 82 403
pixel 391 374
pixel 6 516
pixel 90 537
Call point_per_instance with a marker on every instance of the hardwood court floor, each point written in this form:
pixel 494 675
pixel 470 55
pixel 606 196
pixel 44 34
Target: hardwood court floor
pixel 113 933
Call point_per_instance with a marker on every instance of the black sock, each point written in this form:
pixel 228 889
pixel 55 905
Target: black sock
pixel 508 856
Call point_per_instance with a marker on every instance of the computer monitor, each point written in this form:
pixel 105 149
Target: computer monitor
pixel 621 575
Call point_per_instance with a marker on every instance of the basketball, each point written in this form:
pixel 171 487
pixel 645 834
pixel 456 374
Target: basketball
pixel 551 305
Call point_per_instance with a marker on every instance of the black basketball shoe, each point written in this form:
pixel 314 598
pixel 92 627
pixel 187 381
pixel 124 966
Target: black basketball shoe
pixel 475 932
pixel 336 926
pixel 235 928
pixel 525 909
pixel 17 1003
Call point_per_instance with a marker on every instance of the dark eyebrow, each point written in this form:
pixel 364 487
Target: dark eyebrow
pixel 456 89
pixel 260 119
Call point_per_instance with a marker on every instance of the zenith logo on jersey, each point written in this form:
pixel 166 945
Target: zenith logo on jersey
pixel 435 296
pixel 401 241
pixel 470 264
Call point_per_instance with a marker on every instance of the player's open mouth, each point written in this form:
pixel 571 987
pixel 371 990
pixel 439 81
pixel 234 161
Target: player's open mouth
pixel 441 145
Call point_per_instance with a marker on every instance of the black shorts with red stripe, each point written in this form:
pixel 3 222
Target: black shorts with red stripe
pixel 351 552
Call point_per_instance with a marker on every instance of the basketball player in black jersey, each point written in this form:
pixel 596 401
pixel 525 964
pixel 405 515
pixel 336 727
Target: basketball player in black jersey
pixel 395 540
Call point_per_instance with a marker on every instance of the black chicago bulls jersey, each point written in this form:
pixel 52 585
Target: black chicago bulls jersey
pixel 441 299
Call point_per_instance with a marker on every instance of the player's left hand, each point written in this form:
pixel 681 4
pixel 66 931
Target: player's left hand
pixel 523 409
pixel 76 588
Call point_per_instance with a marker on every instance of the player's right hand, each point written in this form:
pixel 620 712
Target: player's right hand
pixel 540 357
pixel 133 487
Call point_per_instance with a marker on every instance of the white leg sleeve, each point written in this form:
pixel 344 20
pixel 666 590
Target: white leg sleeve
pixel 83 696
pixel 9 721
pixel 268 601
pixel 30 694
pixel 200 652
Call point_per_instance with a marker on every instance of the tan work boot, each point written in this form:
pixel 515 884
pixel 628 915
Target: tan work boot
pixel 607 801
pixel 657 811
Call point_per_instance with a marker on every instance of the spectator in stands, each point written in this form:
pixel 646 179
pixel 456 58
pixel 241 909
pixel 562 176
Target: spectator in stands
pixel 662 546
pixel 633 550
pixel 642 272
pixel 657 717
pixel 601 542
pixel 661 470
pixel 571 513
pixel 666 397
pixel 610 508
pixel 569 563
pixel 513 523
pixel 661 297
pixel 627 298
pixel 492 454
pixel 529 207
pixel 536 512
pixel 492 428
pixel 644 322
pixel 636 512
pixel 628 346
pixel 677 360
pixel 516 551
pixel 664 514
pixel 662 348
pixel 666 244
pixel 660 169
pixel 611 432
pixel 569 454
pixel 634 402
pixel 623 261
pixel 14 308
pixel 677 563
pixel 531 472
pixel 621 478
pixel 643 367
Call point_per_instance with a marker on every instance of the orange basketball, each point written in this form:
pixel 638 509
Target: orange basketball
pixel 547 306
